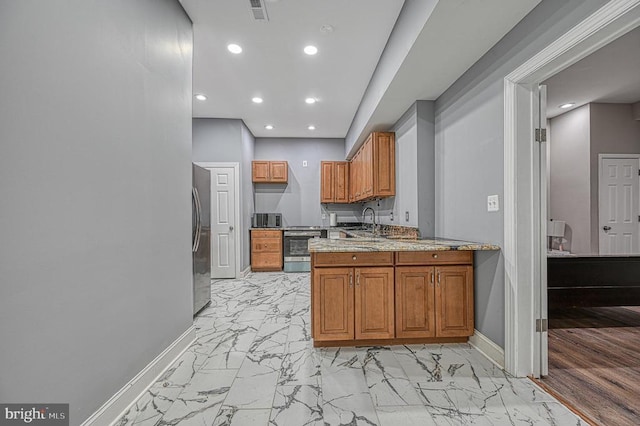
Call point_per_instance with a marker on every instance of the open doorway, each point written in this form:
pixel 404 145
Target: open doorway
pixel 593 256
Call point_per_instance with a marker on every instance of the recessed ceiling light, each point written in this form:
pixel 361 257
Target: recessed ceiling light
pixel 311 127
pixel 256 100
pixel 269 127
pixel 310 50
pixel 567 105
pixel 310 100
pixel 201 97
pixel 234 48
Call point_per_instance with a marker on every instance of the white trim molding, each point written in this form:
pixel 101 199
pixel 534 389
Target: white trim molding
pixel 487 348
pixel 119 403
pixel 246 272
pixel 522 175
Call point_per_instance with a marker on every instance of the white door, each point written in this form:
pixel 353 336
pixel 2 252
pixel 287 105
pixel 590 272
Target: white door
pixel 618 204
pixel 223 222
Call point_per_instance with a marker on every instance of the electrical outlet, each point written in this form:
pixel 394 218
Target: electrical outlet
pixel 391 216
pixel 493 203
pixel 406 216
pixel 304 163
pixel 324 216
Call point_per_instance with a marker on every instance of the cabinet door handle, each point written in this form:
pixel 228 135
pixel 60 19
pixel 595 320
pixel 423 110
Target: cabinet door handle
pixel 357 278
pixel 350 280
pixel 438 279
pixel 432 278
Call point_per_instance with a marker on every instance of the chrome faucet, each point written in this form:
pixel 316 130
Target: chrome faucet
pixel 373 218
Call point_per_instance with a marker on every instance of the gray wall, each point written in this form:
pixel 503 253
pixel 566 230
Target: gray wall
pixel 469 147
pixel 415 172
pixel 217 140
pixel 95 181
pixel 299 200
pixel 579 136
pixel 246 192
pixel 406 198
pixel 229 140
pixel 569 180
pixel 613 131
pixel 426 167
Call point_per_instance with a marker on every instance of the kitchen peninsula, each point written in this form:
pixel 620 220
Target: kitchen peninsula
pixel 370 290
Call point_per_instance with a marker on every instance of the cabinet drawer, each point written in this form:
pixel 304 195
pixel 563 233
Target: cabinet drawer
pixel 266 234
pixel 434 257
pixel 354 259
pixel 266 261
pixel 268 245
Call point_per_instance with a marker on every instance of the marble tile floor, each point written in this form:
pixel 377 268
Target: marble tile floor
pixel 253 363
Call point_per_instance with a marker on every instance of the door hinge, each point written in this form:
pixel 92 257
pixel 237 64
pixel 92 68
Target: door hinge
pixel 542 325
pixel 541 135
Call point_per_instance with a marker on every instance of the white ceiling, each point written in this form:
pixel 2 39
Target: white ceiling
pixel 454 37
pixel 273 65
pixel 609 75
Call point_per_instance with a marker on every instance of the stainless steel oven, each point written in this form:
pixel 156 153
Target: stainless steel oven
pixel 296 249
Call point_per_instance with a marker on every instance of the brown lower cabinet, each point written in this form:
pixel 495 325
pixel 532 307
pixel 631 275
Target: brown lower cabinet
pixel 434 301
pixel 266 250
pixel 410 297
pixel 353 303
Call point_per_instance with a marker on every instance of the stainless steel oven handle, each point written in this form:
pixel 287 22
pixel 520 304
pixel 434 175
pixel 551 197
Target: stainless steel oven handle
pixel 297 258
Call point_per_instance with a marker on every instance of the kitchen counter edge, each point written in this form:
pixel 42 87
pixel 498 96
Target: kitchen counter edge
pixel 325 245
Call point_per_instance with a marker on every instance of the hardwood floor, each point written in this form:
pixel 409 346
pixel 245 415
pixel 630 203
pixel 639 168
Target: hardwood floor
pixel 594 362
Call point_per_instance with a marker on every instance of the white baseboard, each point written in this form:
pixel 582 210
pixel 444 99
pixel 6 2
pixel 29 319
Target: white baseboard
pixel 488 348
pixel 246 272
pixel 119 403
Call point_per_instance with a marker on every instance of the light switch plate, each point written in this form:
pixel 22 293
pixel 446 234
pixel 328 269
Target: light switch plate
pixel 493 203
pixel 324 216
pixel 304 163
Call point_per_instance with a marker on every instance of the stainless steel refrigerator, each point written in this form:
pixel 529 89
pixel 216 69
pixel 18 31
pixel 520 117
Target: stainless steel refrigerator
pixel 200 237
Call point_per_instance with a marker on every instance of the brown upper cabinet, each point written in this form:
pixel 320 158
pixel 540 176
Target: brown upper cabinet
pixel 334 182
pixel 269 171
pixel 373 172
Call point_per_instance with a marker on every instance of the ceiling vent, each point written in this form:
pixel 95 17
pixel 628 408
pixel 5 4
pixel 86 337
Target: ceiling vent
pixel 259 10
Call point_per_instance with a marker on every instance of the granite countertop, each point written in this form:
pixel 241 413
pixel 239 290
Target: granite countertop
pixel 366 241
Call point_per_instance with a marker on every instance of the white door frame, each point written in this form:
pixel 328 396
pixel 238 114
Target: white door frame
pixel 600 173
pixel 524 222
pixel 239 227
